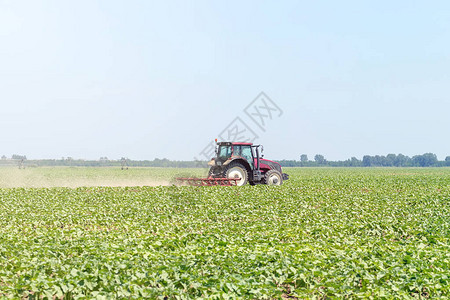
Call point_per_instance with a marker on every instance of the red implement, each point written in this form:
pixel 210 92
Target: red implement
pixel 208 181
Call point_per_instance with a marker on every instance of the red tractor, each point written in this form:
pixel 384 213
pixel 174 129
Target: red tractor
pixel 237 163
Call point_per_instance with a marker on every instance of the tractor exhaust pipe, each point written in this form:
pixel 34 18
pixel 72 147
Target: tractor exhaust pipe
pixel 257 158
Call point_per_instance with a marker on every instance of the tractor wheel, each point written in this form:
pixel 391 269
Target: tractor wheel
pixel 237 170
pixel 273 177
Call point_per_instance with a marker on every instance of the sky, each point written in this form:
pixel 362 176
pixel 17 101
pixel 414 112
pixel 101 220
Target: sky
pixel 162 79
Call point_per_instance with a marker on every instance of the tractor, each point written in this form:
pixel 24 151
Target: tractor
pixel 237 163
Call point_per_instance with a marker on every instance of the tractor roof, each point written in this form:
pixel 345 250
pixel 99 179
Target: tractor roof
pixel 242 143
pixel 235 143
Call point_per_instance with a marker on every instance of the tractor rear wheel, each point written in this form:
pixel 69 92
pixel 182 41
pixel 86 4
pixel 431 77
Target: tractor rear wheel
pixel 273 177
pixel 237 170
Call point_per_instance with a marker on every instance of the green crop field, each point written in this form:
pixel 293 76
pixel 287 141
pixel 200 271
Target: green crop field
pixel 326 233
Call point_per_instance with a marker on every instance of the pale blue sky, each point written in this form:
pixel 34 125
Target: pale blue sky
pixel 147 79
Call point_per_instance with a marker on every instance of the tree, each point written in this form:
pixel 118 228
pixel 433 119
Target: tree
pixel 3 157
pixel 447 161
pixel 425 160
pixel 354 162
pixel 303 158
pixel 401 160
pixel 379 160
pixel 320 159
pixel 390 160
pixel 367 161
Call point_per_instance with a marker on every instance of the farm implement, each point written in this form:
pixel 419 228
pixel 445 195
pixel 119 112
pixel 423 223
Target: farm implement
pixel 208 181
pixel 237 163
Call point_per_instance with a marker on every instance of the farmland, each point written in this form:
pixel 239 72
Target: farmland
pixel 326 233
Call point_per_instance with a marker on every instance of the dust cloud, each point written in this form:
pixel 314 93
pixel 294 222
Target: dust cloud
pixel 34 178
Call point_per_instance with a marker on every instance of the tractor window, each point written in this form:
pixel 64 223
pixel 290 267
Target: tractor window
pixel 224 151
pixel 247 154
pixel 237 150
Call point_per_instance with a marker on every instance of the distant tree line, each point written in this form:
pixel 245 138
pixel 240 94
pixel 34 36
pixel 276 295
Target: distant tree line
pixel 390 160
pixel 102 162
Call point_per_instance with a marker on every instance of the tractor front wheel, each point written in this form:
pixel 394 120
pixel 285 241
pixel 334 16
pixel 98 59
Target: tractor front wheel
pixel 237 170
pixel 273 177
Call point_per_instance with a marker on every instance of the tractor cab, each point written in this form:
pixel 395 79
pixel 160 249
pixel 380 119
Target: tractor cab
pixel 229 151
